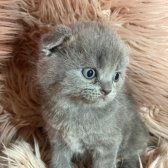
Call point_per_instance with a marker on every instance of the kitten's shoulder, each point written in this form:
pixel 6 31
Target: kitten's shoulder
pixel 126 98
pixel 127 106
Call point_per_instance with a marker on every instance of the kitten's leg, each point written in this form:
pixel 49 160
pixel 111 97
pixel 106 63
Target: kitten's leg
pixel 130 163
pixel 105 157
pixel 61 156
pixel 135 145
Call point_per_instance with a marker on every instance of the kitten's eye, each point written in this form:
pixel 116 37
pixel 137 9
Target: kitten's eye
pixel 89 73
pixel 116 77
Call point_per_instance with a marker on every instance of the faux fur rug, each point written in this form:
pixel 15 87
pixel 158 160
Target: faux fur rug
pixel 143 24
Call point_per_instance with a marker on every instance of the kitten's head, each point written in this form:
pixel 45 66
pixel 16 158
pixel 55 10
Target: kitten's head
pixel 84 62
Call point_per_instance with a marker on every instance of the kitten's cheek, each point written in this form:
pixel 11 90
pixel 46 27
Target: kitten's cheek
pixel 111 96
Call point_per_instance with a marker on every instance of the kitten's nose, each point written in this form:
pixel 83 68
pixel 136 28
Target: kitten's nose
pixel 106 88
pixel 105 91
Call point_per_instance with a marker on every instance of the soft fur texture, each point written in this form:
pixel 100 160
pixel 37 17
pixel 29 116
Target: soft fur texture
pixel 19 153
pixel 143 24
pixel 86 106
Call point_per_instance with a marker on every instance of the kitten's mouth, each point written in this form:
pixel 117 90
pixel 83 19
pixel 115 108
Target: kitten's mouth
pixel 103 97
pixel 89 100
pixel 84 100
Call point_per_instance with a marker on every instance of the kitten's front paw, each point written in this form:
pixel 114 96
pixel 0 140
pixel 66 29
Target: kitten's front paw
pixel 129 164
pixel 60 165
pixel 78 157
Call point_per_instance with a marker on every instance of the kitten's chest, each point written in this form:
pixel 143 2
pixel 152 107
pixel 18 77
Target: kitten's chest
pixel 85 128
pixel 81 138
pixel 86 135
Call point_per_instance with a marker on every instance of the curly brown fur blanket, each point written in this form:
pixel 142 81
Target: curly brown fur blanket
pixel 143 24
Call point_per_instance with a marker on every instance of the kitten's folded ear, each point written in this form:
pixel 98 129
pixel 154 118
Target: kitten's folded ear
pixel 58 37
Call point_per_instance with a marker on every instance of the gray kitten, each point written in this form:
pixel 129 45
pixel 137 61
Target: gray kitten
pixel 86 107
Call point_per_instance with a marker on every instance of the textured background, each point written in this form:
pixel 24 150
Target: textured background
pixel 143 24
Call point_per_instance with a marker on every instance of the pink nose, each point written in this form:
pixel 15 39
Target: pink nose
pixel 105 91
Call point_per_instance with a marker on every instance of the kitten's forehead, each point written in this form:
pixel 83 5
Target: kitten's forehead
pixel 102 47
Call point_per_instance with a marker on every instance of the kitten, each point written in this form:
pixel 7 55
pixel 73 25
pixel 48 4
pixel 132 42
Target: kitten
pixel 86 107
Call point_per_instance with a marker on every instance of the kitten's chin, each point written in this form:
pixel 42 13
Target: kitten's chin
pixel 99 101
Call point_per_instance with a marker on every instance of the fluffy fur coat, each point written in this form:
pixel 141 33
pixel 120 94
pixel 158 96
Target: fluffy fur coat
pixel 142 24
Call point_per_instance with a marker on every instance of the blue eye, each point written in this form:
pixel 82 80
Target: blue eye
pixel 89 73
pixel 116 77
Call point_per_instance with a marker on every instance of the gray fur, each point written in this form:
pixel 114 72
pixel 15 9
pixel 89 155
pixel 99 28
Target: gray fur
pixel 78 116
